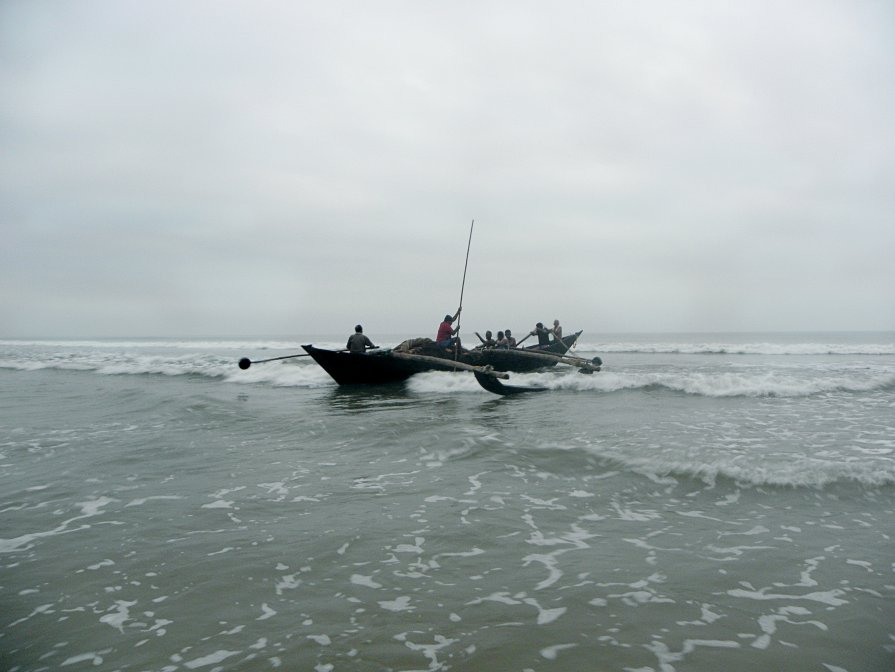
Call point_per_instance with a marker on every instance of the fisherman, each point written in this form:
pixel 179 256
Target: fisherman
pixel 557 330
pixel 543 334
pixel 501 340
pixel 511 342
pixel 488 341
pixel 358 342
pixel 445 336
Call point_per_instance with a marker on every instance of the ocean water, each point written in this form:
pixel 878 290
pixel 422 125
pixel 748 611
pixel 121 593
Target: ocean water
pixel 706 502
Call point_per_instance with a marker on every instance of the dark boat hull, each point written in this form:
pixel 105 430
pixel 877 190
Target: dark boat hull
pixel 351 368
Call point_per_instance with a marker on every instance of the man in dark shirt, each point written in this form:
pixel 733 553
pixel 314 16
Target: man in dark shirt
pixel 543 334
pixel 358 342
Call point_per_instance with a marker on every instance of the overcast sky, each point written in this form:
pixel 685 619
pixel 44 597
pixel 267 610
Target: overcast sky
pixel 247 168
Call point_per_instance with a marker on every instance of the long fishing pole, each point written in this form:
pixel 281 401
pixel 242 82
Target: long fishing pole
pixel 463 286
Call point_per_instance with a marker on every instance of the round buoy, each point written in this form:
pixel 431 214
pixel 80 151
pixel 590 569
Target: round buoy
pixel 245 363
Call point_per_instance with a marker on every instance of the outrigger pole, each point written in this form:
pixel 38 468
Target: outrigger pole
pixel 245 362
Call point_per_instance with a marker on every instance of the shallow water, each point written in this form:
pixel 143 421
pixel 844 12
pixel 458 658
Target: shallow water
pixel 694 506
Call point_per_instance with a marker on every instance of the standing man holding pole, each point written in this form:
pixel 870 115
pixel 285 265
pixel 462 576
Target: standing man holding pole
pixel 446 331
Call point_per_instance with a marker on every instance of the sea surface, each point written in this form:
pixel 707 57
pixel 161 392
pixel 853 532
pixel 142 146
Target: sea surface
pixel 706 502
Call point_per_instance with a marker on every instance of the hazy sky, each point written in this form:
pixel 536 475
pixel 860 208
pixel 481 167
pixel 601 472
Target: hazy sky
pixel 242 168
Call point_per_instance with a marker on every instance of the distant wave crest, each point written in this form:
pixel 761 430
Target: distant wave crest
pixel 758 348
pixel 160 343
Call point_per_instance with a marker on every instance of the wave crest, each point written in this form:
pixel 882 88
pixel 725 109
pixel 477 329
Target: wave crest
pixel 278 374
pixel 730 348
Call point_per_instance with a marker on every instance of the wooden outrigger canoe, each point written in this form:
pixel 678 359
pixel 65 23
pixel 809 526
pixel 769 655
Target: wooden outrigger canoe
pixel 393 366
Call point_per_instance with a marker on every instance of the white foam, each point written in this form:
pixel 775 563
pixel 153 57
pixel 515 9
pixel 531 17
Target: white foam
pixel 768 624
pixel 445 382
pixel 142 500
pixel 94 658
pixel 545 616
pixel 119 617
pixel 861 563
pixel 552 652
pixel 219 504
pixel 266 612
pixel 416 547
pixel 89 509
pixel 367 581
pixel 398 604
pixel 92 507
pixel 829 597
pixel 666 656
pixel 287 582
pixel 210 659
pixel 41 609
pixel 430 651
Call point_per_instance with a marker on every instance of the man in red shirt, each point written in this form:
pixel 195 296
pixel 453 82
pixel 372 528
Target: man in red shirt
pixel 446 331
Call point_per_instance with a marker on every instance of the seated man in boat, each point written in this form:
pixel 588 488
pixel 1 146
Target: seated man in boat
pixel 487 342
pixel 511 342
pixel 543 334
pixel 358 342
pixel 445 338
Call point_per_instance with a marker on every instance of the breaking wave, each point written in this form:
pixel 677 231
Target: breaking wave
pixel 784 471
pixel 288 373
pixel 786 377
pixel 719 383
pixel 304 373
